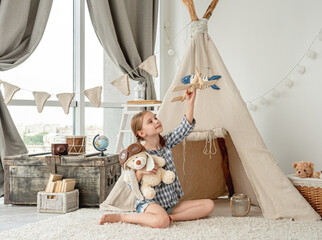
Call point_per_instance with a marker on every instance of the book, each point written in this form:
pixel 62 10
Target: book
pixel 52 178
pixel 58 186
pixel 68 184
pixel 51 186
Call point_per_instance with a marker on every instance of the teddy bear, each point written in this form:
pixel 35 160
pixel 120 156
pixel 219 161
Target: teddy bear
pixel 305 170
pixel 136 157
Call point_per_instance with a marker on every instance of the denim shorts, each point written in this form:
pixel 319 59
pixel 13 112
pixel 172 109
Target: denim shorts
pixel 142 206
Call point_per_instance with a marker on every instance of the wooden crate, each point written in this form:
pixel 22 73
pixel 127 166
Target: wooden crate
pixel 26 176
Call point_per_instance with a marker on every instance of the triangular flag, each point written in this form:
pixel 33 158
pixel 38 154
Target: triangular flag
pixel 40 99
pixel 9 91
pixel 122 84
pixel 150 65
pixel 65 100
pixel 94 95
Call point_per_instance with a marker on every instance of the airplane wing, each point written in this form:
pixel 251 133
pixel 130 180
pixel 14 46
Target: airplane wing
pixel 209 83
pixel 196 85
pixel 184 87
pixel 176 99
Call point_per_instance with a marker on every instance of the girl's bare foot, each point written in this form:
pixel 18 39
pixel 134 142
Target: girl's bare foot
pixel 110 218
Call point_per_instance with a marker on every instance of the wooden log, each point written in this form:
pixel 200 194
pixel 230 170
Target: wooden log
pixel 191 7
pixel 210 9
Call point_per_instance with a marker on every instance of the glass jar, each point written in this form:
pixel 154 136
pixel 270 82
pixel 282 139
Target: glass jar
pixel 240 205
pixel 139 92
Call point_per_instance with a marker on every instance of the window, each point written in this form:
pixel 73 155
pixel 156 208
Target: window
pixel 50 69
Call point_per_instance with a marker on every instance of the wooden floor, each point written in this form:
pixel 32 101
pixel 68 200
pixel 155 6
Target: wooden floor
pixel 13 216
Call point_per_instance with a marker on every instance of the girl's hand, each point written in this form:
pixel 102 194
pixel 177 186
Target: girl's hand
pixel 144 171
pixel 191 96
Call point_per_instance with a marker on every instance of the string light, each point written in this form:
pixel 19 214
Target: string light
pixel 320 36
pixel 252 107
pixel 289 83
pixel 170 52
pixel 168 41
pixel 311 54
pixel 276 94
pixel 264 101
pixel 300 69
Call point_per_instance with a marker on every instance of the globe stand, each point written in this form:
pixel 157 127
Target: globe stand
pixel 102 152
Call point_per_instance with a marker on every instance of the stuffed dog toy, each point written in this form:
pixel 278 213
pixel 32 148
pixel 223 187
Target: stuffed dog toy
pixel 136 157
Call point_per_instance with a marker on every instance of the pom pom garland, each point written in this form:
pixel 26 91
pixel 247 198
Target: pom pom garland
pixel 276 94
pixel 170 52
pixel 289 83
pixel 320 36
pixel 300 69
pixel 252 107
pixel 264 101
pixel 311 54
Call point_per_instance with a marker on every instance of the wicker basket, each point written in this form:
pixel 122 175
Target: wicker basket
pixel 311 190
pixel 58 202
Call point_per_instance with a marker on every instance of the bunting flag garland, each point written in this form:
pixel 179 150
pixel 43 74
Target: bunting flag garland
pixel 40 99
pixel 122 84
pixel 9 91
pixel 94 95
pixel 65 100
pixel 150 65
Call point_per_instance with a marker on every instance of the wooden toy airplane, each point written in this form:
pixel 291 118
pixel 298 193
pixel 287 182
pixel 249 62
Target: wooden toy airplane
pixel 196 83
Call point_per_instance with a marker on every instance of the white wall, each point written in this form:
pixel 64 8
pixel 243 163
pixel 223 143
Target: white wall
pixel 260 42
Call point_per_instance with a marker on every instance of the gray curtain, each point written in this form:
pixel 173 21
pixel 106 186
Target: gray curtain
pixel 22 24
pixel 127 32
pixel 10 140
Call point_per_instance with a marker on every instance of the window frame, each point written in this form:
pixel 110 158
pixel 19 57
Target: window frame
pixel 79 104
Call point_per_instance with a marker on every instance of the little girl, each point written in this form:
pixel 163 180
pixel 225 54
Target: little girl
pixel 164 207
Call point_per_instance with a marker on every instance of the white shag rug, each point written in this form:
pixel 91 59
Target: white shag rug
pixel 83 224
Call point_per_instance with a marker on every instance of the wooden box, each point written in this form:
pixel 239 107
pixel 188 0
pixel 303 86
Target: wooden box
pixel 26 176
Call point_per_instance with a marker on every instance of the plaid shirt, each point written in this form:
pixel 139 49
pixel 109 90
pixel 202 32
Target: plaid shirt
pixel 167 195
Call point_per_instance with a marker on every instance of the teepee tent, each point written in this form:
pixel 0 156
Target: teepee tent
pixel 223 119
pixel 225 147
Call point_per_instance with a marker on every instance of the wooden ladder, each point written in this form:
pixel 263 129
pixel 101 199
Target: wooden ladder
pixel 132 108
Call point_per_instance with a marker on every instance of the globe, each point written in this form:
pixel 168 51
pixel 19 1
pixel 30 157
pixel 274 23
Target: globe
pixel 100 142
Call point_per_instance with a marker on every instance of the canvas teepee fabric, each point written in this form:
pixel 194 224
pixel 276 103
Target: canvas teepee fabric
pixel 258 174
pixel 224 129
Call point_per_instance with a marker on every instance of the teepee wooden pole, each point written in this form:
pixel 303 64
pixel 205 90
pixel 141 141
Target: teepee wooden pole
pixel 210 9
pixel 191 7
